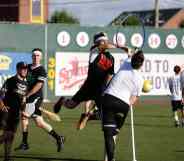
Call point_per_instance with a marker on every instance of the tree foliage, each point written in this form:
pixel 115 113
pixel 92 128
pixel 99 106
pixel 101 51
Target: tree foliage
pixel 130 21
pixel 63 17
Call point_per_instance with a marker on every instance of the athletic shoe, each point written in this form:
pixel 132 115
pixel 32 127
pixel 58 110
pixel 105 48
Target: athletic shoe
pixel 58 105
pixel 22 146
pixel 60 143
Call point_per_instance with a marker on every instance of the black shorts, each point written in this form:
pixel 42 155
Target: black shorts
pixel 11 120
pixel 38 104
pixel 114 112
pixel 87 92
pixel 176 105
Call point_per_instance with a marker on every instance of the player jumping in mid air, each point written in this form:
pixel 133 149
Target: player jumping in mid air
pixel 12 94
pixel 122 92
pixel 100 71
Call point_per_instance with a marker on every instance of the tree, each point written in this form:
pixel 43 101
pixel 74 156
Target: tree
pixel 130 21
pixel 63 17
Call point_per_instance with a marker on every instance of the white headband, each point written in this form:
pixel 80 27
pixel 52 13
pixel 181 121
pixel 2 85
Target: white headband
pixel 101 38
pixel 37 52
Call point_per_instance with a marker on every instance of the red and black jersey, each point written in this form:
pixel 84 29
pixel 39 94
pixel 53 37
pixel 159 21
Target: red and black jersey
pixel 101 65
pixel 99 69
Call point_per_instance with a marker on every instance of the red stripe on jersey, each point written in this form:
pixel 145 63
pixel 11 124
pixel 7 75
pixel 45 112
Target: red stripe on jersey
pixel 104 62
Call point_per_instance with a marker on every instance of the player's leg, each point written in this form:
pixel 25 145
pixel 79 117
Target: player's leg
pixel 175 113
pixel 79 97
pixel 8 140
pixel 88 108
pixel 180 106
pixel 40 122
pixel 109 127
pixel 114 112
pixel 182 117
pixel 29 112
pixel 24 125
pixel 9 133
pixel 3 122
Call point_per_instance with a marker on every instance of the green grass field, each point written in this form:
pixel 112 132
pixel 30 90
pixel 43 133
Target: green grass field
pixel 155 135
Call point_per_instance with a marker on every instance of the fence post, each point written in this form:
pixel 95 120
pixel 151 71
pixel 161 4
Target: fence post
pixel 45 61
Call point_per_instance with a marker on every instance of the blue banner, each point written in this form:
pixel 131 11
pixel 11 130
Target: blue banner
pixel 8 61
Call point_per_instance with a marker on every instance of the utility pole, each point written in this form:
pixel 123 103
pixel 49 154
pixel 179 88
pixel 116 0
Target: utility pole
pixel 156 13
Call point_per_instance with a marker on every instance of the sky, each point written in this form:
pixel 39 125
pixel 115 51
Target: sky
pixel 102 12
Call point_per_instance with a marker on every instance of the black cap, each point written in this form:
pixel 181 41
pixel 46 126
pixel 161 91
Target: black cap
pixel 21 65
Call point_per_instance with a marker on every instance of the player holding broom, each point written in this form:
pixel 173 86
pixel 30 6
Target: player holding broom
pixel 122 92
pixel 36 78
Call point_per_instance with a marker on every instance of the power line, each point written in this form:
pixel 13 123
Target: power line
pixel 61 3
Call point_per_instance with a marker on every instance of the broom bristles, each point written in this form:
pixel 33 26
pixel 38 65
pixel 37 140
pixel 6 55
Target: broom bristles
pixel 50 115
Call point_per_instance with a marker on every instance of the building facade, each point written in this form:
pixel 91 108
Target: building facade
pixel 24 11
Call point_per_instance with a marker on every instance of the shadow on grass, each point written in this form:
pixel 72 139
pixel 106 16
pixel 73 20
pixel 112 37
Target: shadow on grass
pixel 152 116
pixel 179 151
pixel 150 125
pixel 29 158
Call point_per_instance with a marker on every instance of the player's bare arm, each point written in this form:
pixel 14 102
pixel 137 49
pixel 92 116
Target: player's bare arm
pixel 35 89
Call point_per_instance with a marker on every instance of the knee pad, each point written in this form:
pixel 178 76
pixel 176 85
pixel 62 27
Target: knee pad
pixel 120 119
pixel 111 131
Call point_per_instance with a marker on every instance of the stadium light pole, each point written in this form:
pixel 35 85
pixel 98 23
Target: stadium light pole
pixel 156 13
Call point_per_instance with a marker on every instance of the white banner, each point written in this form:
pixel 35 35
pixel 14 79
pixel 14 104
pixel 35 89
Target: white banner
pixel 72 67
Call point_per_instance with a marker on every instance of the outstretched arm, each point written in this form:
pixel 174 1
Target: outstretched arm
pixel 127 50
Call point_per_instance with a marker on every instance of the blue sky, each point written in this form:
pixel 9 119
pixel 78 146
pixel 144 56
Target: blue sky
pixel 102 12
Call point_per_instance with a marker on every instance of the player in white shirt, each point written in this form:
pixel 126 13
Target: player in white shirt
pixel 176 96
pixel 122 92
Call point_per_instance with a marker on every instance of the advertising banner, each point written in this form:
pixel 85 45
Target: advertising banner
pixel 8 61
pixel 72 67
